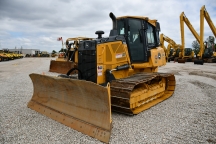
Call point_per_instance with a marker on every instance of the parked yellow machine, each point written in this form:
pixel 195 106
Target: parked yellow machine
pixel 207 53
pixel 41 54
pixel 187 54
pixel 15 56
pixel 44 54
pixel 53 55
pixel 169 52
pixel 171 43
pixel 61 56
pixel 3 56
pixel 117 73
pixel 173 50
pixel 20 55
pixel 66 61
pixel 7 55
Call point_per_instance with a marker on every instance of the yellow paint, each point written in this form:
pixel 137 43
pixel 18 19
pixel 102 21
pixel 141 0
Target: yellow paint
pixel 113 54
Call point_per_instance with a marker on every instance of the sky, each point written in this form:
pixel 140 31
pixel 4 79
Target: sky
pixel 34 24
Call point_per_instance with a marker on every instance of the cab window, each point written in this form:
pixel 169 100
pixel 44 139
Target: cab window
pixel 150 35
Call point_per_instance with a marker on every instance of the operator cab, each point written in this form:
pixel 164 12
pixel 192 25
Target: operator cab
pixel 188 51
pixel 141 37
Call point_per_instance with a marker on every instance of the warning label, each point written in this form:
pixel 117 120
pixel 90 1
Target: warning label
pixel 120 55
pixel 100 70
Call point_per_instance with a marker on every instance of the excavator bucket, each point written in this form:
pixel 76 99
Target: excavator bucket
pixel 81 105
pixel 61 66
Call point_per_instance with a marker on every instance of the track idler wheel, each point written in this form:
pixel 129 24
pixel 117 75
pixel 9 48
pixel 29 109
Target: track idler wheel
pixel 200 62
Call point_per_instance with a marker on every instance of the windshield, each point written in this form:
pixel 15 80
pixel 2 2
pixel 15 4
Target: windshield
pixel 139 40
pixel 187 51
pixel 134 39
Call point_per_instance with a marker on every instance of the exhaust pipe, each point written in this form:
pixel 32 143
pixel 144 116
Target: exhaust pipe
pixel 112 16
pixel 113 31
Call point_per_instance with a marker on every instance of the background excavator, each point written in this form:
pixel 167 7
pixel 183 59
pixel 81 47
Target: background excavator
pixel 207 52
pixel 173 50
pixel 67 60
pixel 187 54
pixel 170 51
pixel 117 73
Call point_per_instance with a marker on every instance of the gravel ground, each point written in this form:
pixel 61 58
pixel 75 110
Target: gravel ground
pixel 189 116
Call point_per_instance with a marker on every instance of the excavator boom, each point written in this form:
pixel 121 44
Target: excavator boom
pixel 171 44
pixel 204 14
pixel 184 19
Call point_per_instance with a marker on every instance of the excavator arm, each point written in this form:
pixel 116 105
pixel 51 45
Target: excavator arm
pixel 167 39
pixel 171 44
pixel 184 19
pixel 204 14
pixel 168 49
pixel 162 45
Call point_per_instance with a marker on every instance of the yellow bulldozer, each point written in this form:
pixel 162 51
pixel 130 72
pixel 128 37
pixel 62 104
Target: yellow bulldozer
pixel 67 61
pixel 115 73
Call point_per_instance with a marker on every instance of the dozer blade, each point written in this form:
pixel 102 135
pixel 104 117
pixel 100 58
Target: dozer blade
pixel 81 105
pixel 61 66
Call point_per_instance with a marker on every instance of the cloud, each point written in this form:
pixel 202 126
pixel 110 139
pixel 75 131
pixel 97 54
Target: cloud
pixel 37 24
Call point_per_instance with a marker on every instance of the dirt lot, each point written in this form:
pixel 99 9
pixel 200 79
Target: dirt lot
pixel 189 116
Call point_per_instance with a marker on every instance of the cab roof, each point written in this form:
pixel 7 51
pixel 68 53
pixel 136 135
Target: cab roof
pixel 152 21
